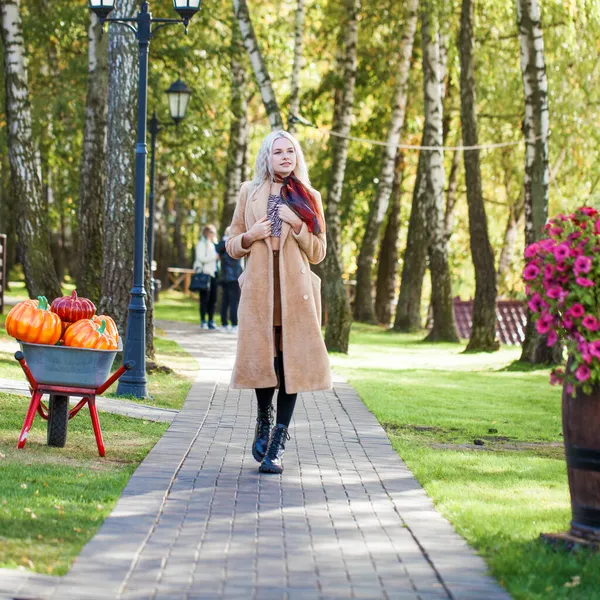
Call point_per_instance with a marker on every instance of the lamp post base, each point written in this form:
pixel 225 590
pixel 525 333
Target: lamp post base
pixel 137 389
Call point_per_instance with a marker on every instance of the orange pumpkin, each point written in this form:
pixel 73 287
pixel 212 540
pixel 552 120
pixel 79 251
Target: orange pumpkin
pixel 31 321
pixel 71 308
pixel 86 334
pixel 111 326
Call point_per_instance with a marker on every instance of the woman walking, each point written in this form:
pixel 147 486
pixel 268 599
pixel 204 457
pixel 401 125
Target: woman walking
pixel 278 226
pixel 206 262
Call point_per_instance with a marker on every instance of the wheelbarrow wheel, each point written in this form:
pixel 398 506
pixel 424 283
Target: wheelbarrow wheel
pixel 58 418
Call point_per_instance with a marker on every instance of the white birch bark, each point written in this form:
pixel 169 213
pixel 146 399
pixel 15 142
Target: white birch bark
pixel 258 64
pixel 32 217
pixel 335 300
pixel 364 309
pixel 92 182
pixel 535 88
pixel 433 198
pixel 298 62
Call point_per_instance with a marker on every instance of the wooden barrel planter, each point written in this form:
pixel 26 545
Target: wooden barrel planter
pixel 581 431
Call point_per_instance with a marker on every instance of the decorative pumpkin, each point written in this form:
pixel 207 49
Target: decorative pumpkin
pixel 86 334
pixel 71 308
pixel 111 326
pixel 31 321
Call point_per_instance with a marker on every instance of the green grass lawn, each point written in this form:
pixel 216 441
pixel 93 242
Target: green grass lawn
pixel 434 402
pixel 53 500
pixel 176 306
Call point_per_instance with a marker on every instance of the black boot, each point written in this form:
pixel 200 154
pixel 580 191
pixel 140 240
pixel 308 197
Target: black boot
pixel 272 462
pixel 264 420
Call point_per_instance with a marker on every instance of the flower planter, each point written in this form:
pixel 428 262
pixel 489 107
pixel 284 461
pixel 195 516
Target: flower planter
pixel 581 431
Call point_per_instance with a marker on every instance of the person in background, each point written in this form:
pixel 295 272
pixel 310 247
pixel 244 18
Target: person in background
pixel 206 262
pixel 231 269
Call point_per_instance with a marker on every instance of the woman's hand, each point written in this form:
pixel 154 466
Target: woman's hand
pixel 287 215
pixel 259 231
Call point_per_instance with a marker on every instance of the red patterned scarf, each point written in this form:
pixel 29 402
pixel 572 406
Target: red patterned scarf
pixel 303 203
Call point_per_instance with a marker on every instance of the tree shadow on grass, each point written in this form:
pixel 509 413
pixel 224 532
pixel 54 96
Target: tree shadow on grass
pixel 521 366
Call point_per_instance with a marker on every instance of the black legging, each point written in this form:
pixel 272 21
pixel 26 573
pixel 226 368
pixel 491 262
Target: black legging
pixel 208 299
pixel 285 402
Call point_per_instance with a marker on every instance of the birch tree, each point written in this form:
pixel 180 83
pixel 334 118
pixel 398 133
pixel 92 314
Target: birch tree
pixel 364 305
pixel 32 216
pixel 258 64
pixel 387 265
pixel 298 62
pixel 535 87
pixel 238 131
pixel 483 328
pixel 408 308
pixel 339 319
pixel 119 207
pixel 92 183
pixel 433 188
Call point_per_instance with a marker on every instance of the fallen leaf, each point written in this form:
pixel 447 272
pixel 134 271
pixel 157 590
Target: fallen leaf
pixel 23 486
pixel 27 510
pixel 2 455
pixel 77 529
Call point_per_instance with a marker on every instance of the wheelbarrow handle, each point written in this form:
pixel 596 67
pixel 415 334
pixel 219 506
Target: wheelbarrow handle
pixel 21 358
pixel 126 367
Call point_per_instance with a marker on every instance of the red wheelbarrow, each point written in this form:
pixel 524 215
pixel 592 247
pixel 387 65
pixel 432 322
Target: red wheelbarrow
pixel 61 372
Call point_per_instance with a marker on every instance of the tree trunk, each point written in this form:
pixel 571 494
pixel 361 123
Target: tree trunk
pixel 452 194
pixel 92 182
pixel 511 233
pixel 258 64
pixel 335 299
pixel 32 217
pixel 408 309
pixel 181 253
pixel 117 268
pixel 443 328
pixel 8 215
pixel 483 329
pixel 387 266
pixel 298 62
pixel 535 87
pixel 238 131
pixel 363 306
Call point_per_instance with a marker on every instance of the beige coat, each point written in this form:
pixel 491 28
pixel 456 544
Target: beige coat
pixel 304 353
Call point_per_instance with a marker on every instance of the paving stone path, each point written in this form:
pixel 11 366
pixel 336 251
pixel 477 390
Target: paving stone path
pixel 196 521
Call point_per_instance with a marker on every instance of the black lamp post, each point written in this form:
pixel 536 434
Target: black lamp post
pixel 134 381
pixel 179 96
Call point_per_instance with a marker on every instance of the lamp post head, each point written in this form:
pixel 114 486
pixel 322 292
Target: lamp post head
pixel 186 8
pixel 101 8
pixel 179 96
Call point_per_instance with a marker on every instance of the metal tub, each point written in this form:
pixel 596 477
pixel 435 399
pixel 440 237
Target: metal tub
pixel 68 366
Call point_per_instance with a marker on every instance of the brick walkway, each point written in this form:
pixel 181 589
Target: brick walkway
pixel 346 520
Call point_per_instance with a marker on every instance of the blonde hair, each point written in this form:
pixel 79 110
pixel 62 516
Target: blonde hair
pixel 209 227
pixel 263 169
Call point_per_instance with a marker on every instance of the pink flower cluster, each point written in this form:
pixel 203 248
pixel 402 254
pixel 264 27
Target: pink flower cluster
pixel 563 288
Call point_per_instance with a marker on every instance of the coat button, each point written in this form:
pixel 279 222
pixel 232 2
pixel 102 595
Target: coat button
pixel 305 296
pixel 302 270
